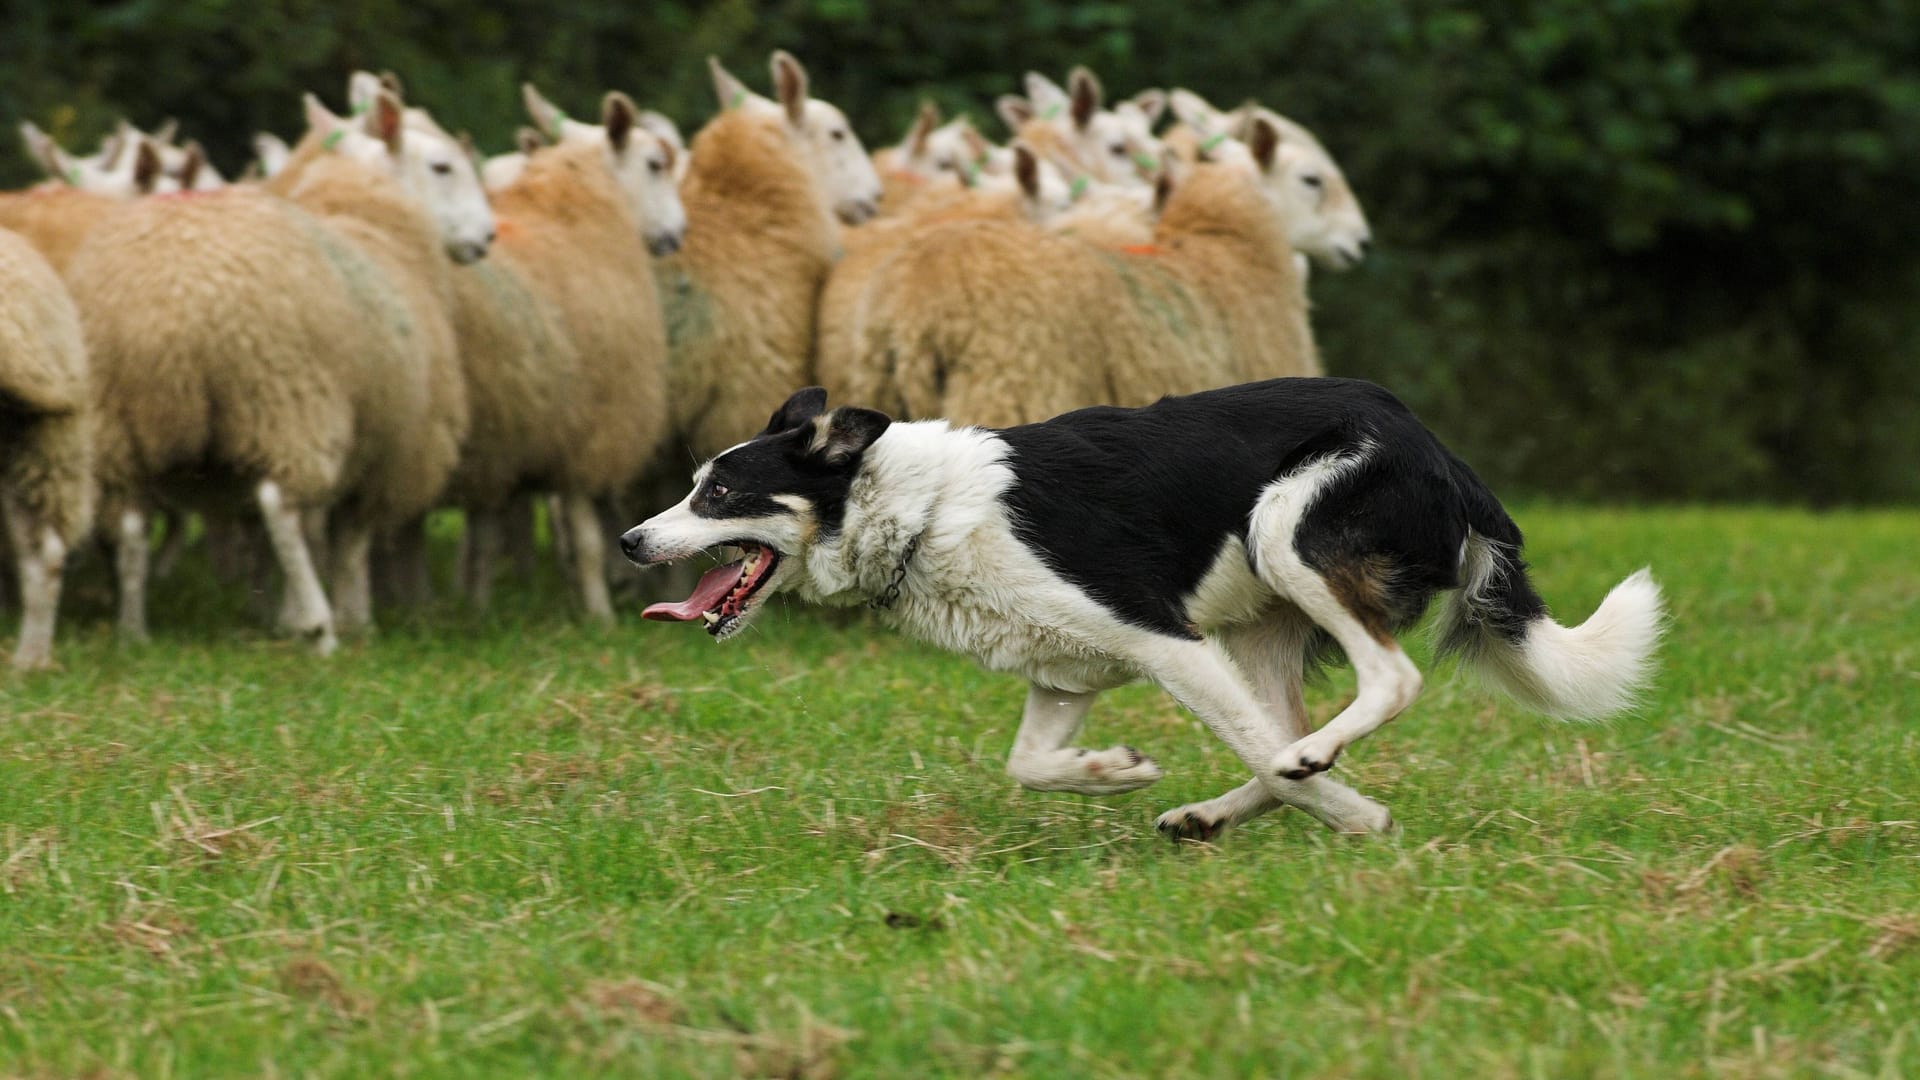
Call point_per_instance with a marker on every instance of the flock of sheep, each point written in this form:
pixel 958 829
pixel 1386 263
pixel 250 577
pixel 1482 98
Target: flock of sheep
pixel 376 323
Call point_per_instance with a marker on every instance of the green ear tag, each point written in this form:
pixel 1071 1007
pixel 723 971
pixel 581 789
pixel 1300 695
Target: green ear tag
pixel 1212 142
pixel 1052 113
pixel 739 98
pixel 361 109
pixel 1146 161
pixel 1078 189
pixel 560 116
pixel 973 174
pixel 333 138
pixel 73 176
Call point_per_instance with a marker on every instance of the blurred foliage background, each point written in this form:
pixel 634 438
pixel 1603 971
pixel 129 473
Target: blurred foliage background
pixel 1658 249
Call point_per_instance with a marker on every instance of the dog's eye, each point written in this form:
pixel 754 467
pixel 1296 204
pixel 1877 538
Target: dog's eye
pixel 718 491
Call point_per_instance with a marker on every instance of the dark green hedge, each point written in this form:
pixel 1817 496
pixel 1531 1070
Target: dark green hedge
pixel 1653 248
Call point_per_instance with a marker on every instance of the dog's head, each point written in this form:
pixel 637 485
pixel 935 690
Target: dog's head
pixel 772 498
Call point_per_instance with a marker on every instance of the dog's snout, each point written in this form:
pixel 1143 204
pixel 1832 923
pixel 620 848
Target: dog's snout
pixel 633 544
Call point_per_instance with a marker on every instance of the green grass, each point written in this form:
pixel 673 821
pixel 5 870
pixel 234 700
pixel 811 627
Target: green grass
pixel 516 845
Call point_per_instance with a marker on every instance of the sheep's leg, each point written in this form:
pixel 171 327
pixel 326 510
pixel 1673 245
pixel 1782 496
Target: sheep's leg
pixel 306 611
pixel 172 546
pixel 589 556
pixel 483 555
pixel 563 552
pixel 517 538
pixel 40 555
pixel 406 577
pixel 1042 760
pixel 353 576
pixel 130 556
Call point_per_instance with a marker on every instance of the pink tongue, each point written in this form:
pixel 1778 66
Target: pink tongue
pixel 713 587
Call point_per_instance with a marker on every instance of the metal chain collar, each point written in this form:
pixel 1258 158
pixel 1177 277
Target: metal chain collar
pixel 891 596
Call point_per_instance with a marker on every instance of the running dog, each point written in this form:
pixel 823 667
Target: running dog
pixel 1216 544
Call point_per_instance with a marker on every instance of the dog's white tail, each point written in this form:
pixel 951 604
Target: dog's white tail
pixel 1585 672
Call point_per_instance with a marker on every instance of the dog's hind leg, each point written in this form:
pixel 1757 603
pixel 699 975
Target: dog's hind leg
pixel 1042 760
pixel 1271 656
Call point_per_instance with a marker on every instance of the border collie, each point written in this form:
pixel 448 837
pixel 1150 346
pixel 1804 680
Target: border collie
pixel 1214 544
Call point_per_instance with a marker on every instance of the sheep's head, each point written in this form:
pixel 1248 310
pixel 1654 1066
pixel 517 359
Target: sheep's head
pixel 128 163
pixel 840 166
pixel 645 164
pixel 430 165
pixel 1115 146
pixel 1324 218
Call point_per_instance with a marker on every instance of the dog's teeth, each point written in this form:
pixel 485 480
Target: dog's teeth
pixel 710 617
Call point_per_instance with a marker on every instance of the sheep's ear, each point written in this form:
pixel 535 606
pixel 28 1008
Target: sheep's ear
pixel 42 148
pixel 978 148
pixel 1164 184
pixel 798 411
pixel 1153 103
pixel 469 148
pixel 168 130
pixel 924 123
pixel 1045 95
pixel 318 116
pixel 363 87
pixel 731 91
pixel 191 164
pixel 1240 120
pixel 1264 141
pixel 1193 110
pixel 790 83
pixel 617 114
pixel 1085 92
pixel 387 121
pixel 1014 110
pixel 146 166
pixel 1026 170
pixel 844 434
pixel 114 145
pixel 546 116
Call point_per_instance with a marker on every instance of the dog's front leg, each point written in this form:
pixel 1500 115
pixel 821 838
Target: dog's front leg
pixel 1201 676
pixel 1042 760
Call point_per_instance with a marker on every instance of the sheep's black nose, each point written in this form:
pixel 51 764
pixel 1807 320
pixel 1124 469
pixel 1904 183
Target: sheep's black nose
pixel 633 543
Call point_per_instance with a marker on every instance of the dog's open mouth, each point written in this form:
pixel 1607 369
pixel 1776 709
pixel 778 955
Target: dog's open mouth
pixel 724 592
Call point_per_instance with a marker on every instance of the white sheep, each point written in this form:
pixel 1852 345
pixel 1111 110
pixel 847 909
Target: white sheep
pixel 46 444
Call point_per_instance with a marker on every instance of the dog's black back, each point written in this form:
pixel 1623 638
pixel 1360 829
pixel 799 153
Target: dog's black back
pixel 1134 505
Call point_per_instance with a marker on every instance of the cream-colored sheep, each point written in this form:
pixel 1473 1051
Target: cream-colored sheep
pixel 762 194
pixel 1002 323
pixel 54 218
pixel 563 342
pixel 293 352
pixel 1038 195
pixel 46 438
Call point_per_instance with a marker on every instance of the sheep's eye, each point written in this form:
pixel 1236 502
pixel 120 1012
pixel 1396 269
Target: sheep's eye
pixel 1118 149
pixel 443 168
pixel 1311 181
pixel 719 491
pixel 656 166
pixel 839 134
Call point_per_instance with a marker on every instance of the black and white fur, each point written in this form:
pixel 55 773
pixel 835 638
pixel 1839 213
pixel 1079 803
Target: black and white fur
pixel 1212 544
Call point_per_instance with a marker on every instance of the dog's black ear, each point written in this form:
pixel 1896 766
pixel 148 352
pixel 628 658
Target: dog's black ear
pixel 800 409
pixel 845 433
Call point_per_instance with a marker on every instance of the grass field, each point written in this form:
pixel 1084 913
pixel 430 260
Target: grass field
pixel 521 846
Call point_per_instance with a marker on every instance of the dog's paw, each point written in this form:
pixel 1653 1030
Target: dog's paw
pixel 1190 823
pixel 1305 758
pixel 1116 770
